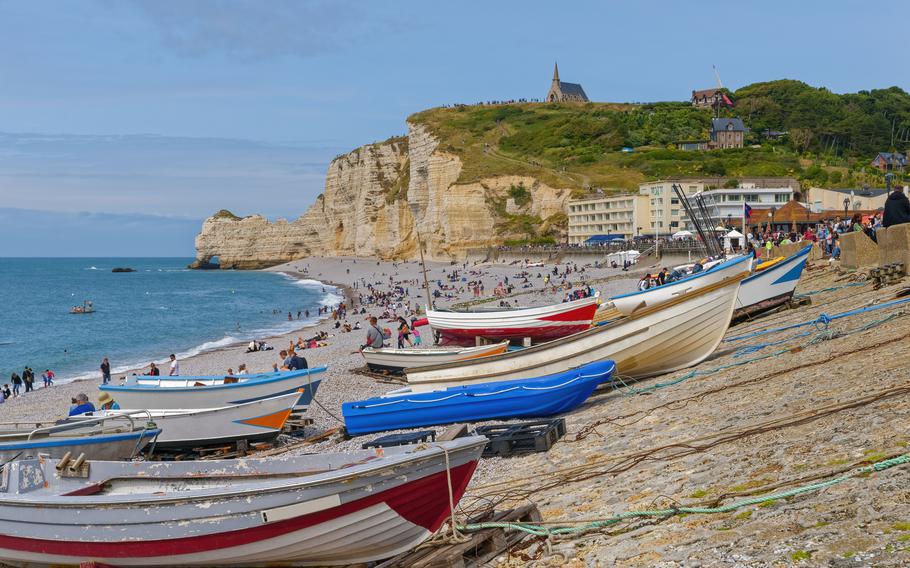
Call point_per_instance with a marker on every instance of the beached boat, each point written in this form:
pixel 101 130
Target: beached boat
pixel 396 360
pixel 771 287
pixel 257 421
pixel 653 341
pixel 540 324
pixel 102 438
pixel 212 391
pixel 312 510
pixel 542 396
pixel 627 304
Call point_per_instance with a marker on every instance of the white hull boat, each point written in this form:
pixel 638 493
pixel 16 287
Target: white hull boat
pixel 102 438
pixel 257 421
pixel 628 304
pixel 313 510
pixel 657 340
pixel 772 286
pixel 183 393
pixel 539 324
pixel 395 360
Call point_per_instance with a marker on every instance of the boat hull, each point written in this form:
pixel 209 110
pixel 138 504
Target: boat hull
pixel 178 393
pixel 543 396
pixel 109 447
pixel 396 360
pixel 257 421
pixel 539 324
pixel 771 287
pixel 676 335
pixel 369 506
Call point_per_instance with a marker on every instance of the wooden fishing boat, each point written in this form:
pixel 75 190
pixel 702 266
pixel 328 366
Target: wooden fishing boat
pixel 627 304
pixel 540 324
pixel 256 421
pixel 652 341
pixel 771 287
pixel 541 396
pixel 102 438
pixel 312 510
pixel 211 391
pixel 396 360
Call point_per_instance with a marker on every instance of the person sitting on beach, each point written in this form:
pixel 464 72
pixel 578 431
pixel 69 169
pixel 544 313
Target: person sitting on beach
pixel 6 393
pixel 230 371
pixel 81 405
pixel 241 370
pixel 153 370
pixel 294 362
pixel 106 402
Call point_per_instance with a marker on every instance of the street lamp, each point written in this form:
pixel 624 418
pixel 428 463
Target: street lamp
pixel 426 283
pixel 773 210
pixel 846 206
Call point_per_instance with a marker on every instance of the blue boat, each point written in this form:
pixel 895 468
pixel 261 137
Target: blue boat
pixel 541 396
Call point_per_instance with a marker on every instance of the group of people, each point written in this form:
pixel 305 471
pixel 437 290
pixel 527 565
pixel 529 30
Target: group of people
pixel 26 380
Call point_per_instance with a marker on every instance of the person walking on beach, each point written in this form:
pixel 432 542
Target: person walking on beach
pixel 105 371
pixel 48 377
pixel 375 336
pixel 16 380
pixel 28 377
pixel 175 366
pixel 404 333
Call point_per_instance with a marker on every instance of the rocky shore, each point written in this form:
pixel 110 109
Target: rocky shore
pixel 766 413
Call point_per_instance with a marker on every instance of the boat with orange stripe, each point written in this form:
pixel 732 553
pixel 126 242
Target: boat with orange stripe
pixel 257 421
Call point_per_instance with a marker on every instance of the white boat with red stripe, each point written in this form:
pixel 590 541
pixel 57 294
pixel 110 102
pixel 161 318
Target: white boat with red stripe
pixel 542 323
pixel 316 510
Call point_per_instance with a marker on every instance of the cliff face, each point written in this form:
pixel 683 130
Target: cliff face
pixel 366 210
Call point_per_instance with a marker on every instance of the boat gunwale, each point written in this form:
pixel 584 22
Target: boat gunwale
pixel 335 476
pixel 795 256
pixel 203 388
pixel 711 271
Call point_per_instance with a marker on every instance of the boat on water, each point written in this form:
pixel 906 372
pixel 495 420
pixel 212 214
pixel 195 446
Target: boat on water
pixel 542 323
pixel 312 510
pixel 256 421
pixel 770 287
pixel 211 391
pixel 87 307
pixel 541 396
pixel 655 340
pixel 627 304
pixel 101 438
pixel 396 360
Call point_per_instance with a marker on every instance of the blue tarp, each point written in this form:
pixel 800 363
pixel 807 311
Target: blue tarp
pixel 598 239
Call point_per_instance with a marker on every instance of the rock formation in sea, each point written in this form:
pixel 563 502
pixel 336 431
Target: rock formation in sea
pixel 366 210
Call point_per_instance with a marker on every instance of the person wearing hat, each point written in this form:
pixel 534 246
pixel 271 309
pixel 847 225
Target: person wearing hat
pixel 81 405
pixel 106 402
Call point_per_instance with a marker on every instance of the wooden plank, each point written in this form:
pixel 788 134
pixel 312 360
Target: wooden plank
pixel 452 432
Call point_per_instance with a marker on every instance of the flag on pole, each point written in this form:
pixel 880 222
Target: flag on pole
pixel 747 211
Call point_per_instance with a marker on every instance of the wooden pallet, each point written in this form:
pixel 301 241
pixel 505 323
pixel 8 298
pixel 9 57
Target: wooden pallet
pixel 482 546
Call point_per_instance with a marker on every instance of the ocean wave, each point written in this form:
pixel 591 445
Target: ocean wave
pixel 309 283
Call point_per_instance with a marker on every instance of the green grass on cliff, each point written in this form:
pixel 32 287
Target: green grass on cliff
pixel 579 145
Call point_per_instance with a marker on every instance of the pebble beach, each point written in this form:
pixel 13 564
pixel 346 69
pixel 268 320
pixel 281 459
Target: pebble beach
pixel 779 411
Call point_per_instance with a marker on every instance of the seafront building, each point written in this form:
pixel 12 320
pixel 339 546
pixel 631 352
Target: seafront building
pixel 854 199
pixel 619 214
pixel 657 211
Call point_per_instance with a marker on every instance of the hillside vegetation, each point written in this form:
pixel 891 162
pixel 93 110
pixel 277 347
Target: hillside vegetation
pixel 831 138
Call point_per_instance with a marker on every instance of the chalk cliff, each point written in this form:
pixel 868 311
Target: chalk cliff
pixel 373 196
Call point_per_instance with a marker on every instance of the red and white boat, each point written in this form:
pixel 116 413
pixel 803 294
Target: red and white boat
pixel 311 510
pixel 542 323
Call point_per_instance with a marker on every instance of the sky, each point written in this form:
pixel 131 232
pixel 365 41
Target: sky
pixel 165 111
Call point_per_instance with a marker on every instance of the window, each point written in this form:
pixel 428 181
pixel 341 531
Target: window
pixel 751 197
pixel 734 197
pixel 674 212
pixel 674 201
pixel 781 198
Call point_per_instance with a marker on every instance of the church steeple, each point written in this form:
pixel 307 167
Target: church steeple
pixel 555 72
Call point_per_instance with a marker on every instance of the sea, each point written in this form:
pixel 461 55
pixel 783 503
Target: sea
pixel 140 316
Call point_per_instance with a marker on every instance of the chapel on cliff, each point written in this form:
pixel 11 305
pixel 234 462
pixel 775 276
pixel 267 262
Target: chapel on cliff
pixel 564 92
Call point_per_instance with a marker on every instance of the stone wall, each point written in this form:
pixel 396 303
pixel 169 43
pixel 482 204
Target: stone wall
pixel 894 245
pixel 858 250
